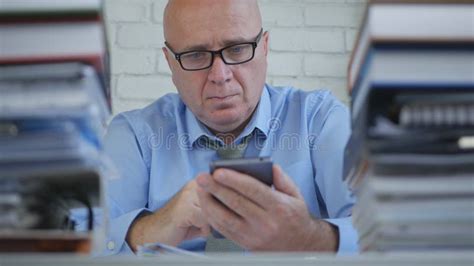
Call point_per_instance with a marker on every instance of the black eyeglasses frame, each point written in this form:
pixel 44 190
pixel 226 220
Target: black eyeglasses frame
pixel 254 44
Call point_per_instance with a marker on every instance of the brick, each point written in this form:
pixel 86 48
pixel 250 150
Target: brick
pixel 158 9
pixel 304 83
pixel 133 61
pixel 126 10
pixel 363 2
pixel 334 15
pixel 163 67
pixel 140 36
pixel 111 32
pixel 285 64
pixel 113 84
pixel 307 40
pixel 144 87
pixel 350 36
pixel 336 85
pixel 326 65
pixel 121 105
pixel 310 2
pixel 282 15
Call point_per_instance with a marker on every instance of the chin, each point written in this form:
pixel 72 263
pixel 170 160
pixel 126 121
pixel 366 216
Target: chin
pixel 226 122
pixel 226 126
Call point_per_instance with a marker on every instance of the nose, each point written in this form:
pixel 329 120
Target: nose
pixel 219 72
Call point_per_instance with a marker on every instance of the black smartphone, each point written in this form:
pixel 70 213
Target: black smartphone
pixel 257 167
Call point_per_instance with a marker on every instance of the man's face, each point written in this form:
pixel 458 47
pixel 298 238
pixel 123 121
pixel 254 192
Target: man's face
pixel 223 97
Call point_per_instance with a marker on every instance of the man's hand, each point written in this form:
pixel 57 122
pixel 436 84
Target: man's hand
pixel 180 219
pixel 260 218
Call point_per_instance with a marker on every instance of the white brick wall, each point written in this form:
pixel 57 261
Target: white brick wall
pixel 310 44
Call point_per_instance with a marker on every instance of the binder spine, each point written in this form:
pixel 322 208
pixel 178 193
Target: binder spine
pixel 437 116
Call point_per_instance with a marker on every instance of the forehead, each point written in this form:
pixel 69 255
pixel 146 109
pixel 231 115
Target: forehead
pixel 212 26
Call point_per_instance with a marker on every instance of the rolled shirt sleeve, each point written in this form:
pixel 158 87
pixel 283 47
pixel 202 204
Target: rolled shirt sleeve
pixel 126 195
pixel 115 242
pixel 347 235
pixel 334 131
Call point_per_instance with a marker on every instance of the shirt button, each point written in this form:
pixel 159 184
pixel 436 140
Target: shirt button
pixel 111 245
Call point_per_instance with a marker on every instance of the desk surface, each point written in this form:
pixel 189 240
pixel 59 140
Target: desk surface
pixel 375 259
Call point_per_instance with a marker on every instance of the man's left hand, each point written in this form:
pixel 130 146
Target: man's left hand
pixel 260 218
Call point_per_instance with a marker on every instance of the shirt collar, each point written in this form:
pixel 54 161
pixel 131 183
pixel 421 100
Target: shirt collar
pixel 195 128
pixel 261 116
pixel 260 120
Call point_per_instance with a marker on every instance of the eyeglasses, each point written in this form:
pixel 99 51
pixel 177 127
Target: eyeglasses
pixel 234 54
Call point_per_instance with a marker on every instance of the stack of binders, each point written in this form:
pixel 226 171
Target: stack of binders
pixel 410 159
pixel 54 105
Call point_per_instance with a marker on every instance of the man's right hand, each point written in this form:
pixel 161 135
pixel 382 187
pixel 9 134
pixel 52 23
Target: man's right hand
pixel 180 219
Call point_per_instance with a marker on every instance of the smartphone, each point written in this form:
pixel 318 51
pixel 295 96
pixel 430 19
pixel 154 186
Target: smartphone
pixel 257 167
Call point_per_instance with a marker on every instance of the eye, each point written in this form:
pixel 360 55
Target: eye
pixel 195 56
pixel 237 49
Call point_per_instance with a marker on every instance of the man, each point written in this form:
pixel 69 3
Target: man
pixel 166 193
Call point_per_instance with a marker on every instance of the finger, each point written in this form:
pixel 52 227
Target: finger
pixel 236 202
pixel 229 232
pixel 206 230
pixel 283 183
pixel 245 185
pixel 188 192
pixel 198 218
pixel 194 232
pixel 219 216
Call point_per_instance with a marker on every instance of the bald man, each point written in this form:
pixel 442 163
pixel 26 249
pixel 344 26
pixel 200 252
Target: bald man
pixel 217 52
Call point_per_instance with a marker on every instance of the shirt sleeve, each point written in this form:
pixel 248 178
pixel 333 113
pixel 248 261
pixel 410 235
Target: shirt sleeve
pixel 332 134
pixel 347 235
pixel 127 194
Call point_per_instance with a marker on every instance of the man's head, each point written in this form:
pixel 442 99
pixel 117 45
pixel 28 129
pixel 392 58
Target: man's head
pixel 223 96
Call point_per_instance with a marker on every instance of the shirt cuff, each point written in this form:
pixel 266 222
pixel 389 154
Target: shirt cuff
pixel 118 228
pixel 347 235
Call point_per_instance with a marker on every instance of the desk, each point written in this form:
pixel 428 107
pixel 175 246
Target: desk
pixel 373 259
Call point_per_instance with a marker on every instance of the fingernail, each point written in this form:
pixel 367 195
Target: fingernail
pixel 219 174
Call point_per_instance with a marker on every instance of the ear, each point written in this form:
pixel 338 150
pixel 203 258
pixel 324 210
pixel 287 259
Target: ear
pixel 167 54
pixel 266 40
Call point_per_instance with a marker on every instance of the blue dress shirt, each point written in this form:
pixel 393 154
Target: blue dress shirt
pixel 155 150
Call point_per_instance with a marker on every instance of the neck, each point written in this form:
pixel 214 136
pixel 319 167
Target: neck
pixel 229 137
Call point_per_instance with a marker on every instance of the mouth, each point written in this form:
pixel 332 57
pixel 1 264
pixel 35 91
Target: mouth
pixel 222 98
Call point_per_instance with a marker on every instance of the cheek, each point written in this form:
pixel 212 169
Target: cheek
pixel 252 79
pixel 189 86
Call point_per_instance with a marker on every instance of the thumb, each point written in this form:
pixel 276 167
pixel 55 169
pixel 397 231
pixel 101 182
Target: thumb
pixel 283 183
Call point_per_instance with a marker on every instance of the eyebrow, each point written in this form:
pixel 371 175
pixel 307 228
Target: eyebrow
pixel 202 47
